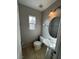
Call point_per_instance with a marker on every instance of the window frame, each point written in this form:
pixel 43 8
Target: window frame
pixel 32 23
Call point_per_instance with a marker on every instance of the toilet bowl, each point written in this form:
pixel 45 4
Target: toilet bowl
pixel 37 45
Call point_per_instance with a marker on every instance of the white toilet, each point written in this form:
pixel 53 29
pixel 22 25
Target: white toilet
pixel 37 45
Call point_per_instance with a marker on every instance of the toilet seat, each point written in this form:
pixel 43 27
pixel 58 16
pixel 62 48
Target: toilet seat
pixel 37 45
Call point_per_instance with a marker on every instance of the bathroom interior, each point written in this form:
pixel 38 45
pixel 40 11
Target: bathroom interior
pixel 40 28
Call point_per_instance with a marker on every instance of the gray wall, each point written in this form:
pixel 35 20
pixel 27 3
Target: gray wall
pixel 45 17
pixel 19 51
pixel 27 35
pixel 44 28
pixel 58 44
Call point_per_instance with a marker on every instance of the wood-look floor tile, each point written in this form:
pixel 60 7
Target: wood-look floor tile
pixel 30 53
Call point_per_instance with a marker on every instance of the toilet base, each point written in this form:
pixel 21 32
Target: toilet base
pixel 37 45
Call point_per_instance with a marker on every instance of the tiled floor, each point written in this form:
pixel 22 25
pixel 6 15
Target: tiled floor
pixel 30 53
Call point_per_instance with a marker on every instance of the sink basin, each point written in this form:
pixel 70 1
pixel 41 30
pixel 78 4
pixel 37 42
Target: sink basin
pixel 49 42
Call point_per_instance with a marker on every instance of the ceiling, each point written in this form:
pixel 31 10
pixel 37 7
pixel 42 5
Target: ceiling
pixel 36 3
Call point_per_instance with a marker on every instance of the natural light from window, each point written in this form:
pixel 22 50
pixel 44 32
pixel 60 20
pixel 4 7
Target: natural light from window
pixel 32 22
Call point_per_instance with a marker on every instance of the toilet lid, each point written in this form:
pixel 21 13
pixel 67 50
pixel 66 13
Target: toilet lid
pixel 37 43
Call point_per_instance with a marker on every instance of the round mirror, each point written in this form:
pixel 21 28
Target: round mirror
pixel 53 26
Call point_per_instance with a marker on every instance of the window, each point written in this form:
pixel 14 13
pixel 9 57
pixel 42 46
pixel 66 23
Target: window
pixel 32 22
